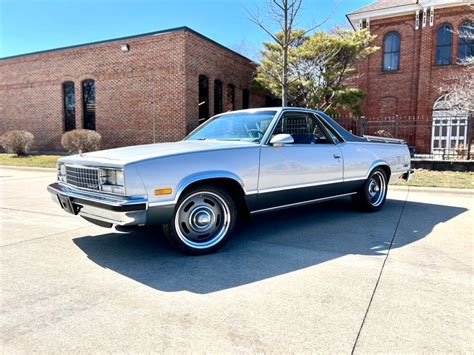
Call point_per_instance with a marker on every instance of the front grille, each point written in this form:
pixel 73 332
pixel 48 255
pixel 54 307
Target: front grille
pixel 85 178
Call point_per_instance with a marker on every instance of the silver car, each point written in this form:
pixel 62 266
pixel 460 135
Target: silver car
pixel 233 166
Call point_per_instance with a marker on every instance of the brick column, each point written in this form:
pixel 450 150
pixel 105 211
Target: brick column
pixel 423 104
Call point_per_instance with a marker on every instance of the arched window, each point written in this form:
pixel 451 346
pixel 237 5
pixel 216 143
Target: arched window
pixel 88 104
pixel 217 97
pixel 245 98
pixel 230 106
pixel 391 51
pixel 69 106
pixel 203 98
pixel 444 39
pixel 466 41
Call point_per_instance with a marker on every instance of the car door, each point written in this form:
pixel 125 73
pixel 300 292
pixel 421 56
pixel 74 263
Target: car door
pixel 306 170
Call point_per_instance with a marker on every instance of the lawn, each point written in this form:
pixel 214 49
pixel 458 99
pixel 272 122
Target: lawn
pixel 37 161
pixel 452 179
pixel 426 178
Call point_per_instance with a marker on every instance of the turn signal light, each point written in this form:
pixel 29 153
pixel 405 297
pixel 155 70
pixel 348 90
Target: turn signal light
pixel 165 191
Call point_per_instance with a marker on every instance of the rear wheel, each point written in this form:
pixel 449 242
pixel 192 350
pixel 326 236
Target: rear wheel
pixel 373 194
pixel 203 221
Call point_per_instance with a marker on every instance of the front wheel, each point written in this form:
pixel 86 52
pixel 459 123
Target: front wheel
pixel 203 221
pixel 371 197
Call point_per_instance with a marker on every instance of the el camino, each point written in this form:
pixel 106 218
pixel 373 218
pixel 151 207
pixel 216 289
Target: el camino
pixel 234 165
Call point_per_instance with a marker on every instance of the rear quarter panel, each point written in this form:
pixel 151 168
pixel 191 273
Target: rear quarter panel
pixel 360 158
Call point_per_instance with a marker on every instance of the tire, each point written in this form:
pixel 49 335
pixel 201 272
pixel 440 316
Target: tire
pixel 203 221
pixel 371 197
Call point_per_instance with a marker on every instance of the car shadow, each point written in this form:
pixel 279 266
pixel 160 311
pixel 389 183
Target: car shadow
pixel 276 243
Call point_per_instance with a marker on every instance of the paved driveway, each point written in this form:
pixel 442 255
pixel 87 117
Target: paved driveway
pixel 314 279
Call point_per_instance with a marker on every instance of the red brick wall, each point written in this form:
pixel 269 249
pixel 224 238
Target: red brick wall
pixel 412 90
pixel 205 58
pixel 147 94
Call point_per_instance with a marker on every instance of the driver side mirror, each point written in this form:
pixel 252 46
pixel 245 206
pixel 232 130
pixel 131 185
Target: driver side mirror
pixel 282 139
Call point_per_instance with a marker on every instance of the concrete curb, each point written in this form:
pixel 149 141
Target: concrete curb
pixel 439 190
pixel 27 168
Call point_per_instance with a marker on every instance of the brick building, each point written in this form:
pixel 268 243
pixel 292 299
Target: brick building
pixel 417 62
pixel 141 89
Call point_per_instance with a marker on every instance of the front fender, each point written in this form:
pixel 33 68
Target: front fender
pixel 206 175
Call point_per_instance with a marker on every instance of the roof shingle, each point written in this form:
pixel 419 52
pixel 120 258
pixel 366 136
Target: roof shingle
pixel 384 4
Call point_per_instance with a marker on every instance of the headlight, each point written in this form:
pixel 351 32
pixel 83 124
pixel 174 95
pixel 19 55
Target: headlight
pixel 119 177
pixel 111 180
pixel 61 172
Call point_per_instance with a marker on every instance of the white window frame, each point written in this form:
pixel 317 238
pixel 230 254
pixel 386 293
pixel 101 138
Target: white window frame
pixel 454 123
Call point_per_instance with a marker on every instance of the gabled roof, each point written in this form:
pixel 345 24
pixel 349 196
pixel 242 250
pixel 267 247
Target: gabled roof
pixel 384 4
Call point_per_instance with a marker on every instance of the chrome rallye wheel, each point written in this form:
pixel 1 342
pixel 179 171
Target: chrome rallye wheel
pixel 374 192
pixel 203 220
pixel 377 188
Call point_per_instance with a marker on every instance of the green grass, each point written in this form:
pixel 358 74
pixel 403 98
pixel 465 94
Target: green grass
pixel 425 178
pixel 37 161
pixel 450 179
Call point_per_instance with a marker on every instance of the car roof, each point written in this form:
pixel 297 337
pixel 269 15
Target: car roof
pixel 276 108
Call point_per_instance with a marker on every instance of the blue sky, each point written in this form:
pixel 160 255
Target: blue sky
pixel 34 25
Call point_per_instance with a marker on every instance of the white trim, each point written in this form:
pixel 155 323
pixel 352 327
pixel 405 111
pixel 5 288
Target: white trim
pixel 432 11
pixel 357 179
pixel 301 203
pixel 393 11
pixel 417 20
pixel 423 22
pixel 404 9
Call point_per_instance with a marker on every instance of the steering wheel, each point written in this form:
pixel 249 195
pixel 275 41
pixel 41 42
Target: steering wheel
pixel 255 133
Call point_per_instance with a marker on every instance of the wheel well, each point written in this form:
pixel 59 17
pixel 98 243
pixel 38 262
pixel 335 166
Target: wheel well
pixel 231 186
pixel 386 170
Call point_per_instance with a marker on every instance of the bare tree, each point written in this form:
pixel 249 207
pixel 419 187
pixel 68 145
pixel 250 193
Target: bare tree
pixel 283 14
pixel 247 49
pixel 461 92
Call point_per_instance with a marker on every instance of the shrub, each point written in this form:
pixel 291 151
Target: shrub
pixel 81 140
pixel 17 142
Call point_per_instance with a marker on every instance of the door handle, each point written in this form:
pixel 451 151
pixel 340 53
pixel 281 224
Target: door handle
pixel 337 156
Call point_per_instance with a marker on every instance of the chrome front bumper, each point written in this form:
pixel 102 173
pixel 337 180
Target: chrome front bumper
pixel 101 209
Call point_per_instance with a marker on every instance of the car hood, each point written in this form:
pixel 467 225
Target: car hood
pixel 126 155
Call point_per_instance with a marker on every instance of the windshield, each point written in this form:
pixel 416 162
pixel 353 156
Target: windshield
pixel 239 126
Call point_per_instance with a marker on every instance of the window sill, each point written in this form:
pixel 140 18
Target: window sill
pixel 384 72
pixel 455 65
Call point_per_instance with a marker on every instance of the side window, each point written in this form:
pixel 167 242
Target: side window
pixel 391 51
pixel 444 38
pixel 303 127
pixel 466 41
pixel 203 98
pixel 245 98
pixel 217 96
pixel 69 103
pixel 330 130
pixel 88 104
